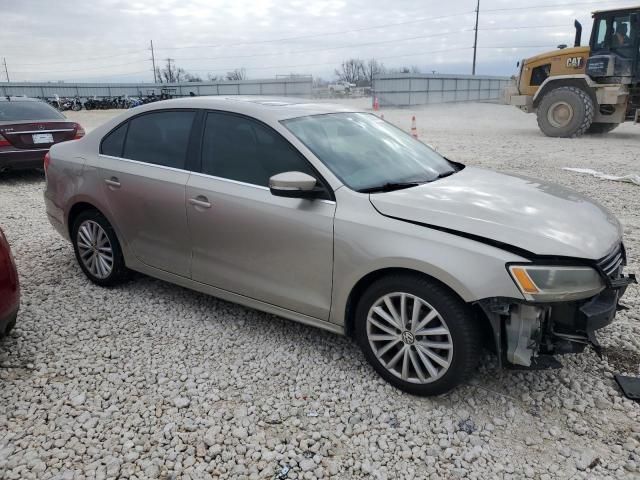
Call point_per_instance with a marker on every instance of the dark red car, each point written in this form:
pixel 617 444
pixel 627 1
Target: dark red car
pixel 28 128
pixel 9 288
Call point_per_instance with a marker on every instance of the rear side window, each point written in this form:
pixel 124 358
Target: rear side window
pixel 17 110
pixel 113 143
pixel 161 138
pixel 237 148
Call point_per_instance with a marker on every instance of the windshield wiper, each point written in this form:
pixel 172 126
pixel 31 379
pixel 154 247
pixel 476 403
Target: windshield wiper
pixel 390 187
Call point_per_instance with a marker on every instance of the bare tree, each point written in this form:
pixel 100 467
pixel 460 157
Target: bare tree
pixel 351 70
pixel 171 73
pixel 215 78
pixel 237 74
pixel 192 78
pixel 405 69
pixel 373 68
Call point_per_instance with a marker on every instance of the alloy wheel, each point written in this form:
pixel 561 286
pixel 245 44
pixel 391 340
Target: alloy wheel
pixel 95 250
pixel 409 338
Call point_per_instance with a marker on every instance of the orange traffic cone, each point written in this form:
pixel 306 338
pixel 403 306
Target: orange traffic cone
pixel 376 104
pixel 414 129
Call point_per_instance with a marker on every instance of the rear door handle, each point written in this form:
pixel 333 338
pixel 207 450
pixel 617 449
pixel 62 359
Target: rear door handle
pixel 200 201
pixel 112 182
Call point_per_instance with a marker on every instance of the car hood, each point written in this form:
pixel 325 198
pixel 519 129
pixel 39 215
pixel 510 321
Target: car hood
pixel 539 217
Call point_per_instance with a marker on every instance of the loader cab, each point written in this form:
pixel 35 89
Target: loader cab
pixel 615 47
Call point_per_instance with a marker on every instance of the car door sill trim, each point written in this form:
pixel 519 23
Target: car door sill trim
pixel 235 297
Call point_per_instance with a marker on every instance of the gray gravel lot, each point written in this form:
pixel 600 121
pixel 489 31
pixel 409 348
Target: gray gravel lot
pixel 150 380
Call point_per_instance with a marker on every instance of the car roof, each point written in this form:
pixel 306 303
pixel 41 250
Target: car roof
pixel 622 10
pixel 266 108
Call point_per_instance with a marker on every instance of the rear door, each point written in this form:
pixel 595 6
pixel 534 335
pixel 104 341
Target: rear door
pixel 143 165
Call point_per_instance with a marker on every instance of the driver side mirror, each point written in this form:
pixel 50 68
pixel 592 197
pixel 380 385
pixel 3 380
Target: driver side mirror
pixel 295 185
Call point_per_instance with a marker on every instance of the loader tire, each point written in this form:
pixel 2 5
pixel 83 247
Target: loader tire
pixel 566 112
pixel 602 127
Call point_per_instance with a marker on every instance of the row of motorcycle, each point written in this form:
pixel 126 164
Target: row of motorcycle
pixel 103 103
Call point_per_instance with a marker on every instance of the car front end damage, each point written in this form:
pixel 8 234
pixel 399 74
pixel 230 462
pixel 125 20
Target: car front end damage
pixel 565 302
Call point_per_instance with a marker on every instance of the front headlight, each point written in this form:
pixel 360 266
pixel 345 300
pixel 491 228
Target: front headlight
pixel 555 284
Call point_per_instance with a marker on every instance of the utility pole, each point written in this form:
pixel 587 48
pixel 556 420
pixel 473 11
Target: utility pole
pixel 4 60
pixel 153 61
pixel 475 41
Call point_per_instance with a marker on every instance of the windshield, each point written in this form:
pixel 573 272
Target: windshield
pixel 17 110
pixel 365 152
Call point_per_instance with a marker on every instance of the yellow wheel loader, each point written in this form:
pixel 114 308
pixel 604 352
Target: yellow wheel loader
pixel 582 90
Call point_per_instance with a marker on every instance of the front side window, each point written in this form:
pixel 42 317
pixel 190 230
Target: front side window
pixel 365 152
pixel 160 138
pixel 601 33
pixel 238 148
pixel 621 29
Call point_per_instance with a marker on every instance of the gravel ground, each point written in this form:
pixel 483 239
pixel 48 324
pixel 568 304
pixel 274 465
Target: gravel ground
pixel 150 380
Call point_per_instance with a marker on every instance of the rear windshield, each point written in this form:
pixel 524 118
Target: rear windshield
pixel 17 110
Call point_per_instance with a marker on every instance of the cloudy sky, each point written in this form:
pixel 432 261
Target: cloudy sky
pixel 108 40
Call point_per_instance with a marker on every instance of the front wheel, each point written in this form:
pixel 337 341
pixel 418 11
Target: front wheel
pixel 417 335
pixel 97 249
pixel 565 112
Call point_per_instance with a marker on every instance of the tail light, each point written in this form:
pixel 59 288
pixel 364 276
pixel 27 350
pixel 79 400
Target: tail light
pixel 4 142
pixel 47 161
pixel 79 132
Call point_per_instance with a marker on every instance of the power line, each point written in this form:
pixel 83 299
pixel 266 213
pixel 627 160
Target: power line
pixel 323 49
pixel 222 69
pixel 79 61
pixel 323 34
pixel 137 62
pixel 554 5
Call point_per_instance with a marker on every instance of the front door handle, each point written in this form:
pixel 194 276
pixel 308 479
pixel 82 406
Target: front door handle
pixel 200 201
pixel 112 182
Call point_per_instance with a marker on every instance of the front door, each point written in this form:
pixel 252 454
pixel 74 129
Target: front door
pixel 142 165
pixel 247 241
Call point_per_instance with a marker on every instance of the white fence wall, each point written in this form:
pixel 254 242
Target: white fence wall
pixel 418 89
pixel 277 87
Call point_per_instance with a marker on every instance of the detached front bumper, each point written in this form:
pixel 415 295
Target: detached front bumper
pixel 524 330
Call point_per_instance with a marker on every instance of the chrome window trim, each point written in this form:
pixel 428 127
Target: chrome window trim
pixel 252 185
pixel 228 180
pixel 139 162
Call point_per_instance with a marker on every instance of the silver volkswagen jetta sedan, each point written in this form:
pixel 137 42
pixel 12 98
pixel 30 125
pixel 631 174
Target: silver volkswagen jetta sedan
pixel 337 219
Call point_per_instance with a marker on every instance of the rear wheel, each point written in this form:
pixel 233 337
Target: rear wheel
pixel 565 112
pixel 97 249
pixel 417 335
pixel 602 127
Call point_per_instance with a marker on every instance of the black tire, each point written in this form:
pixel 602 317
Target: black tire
pixel 119 272
pixel 578 122
pixel 600 128
pixel 464 330
pixel 8 327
